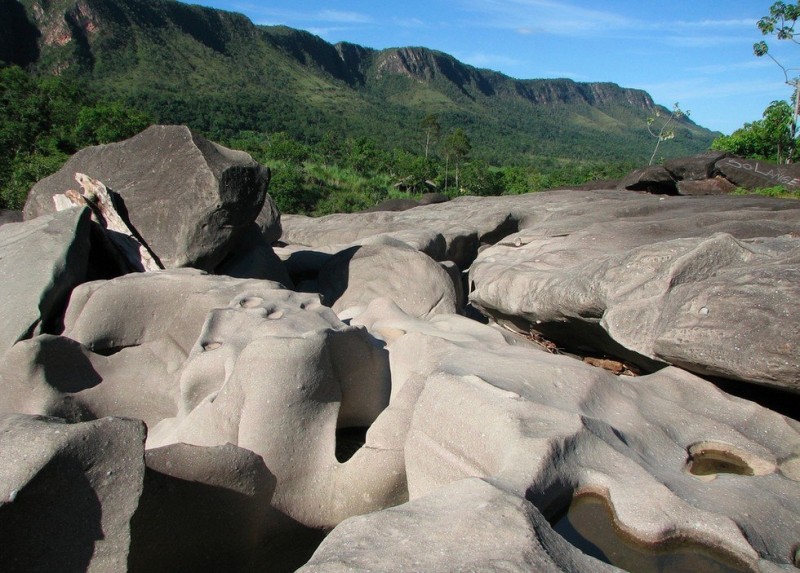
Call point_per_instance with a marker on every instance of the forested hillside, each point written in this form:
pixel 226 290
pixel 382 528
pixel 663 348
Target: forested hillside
pixel 234 81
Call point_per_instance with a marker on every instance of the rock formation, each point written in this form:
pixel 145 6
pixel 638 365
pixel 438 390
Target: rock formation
pixel 362 420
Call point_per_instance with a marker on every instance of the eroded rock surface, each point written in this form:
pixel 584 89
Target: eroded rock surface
pixel 189 198
pixel 668 281
pixel 546 427
pixel 40 262
pixel 423 439
pixel 68 492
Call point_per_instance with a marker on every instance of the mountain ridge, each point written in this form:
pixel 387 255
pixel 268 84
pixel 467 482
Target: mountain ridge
pixel 188 64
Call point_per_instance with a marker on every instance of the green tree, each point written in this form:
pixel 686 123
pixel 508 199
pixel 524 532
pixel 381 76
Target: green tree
pixel 432 129
pixel 108 122
pixel 781 22
pixel 456 149
pixel 769 138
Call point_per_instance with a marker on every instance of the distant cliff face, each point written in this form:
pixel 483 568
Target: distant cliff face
pixel 189 64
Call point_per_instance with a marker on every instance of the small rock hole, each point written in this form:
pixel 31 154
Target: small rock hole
pixel 349 441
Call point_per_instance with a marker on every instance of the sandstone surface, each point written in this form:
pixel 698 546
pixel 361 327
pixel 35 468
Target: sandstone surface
pixel 68 492
pixel 40 262
pixel 188 198
pixel 227 422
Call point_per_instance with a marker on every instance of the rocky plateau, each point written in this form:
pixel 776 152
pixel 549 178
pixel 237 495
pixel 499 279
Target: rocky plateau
pixel 574 380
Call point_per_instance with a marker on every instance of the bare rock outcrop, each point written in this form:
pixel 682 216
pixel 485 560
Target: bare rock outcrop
pixel 189 199
pixel 68 492
pixel 177 420
pixel 40 262
pixel 672 280
pixel 673 457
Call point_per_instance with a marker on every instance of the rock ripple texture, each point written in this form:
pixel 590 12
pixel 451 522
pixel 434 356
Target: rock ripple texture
pixel 183 421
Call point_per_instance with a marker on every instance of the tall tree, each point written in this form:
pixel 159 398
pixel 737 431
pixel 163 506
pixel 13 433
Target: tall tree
pixel 432 130
pixel 456 148
pixel 781 22
pixel 768 138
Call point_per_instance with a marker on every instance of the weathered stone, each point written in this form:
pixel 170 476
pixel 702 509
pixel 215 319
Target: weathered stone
pixel 676 459
pixel 711 186
pixel 640 284
pixel 56 376
pixel 464 224
pixel 40 261
pixel 653 179
pixel 695 168
pixel 254 258
pixel 277 375
pixel 754 174
pixel 68 493
pixel 356 276
pixel 469 525
pixel 167 307
pixel 202 509
pixel 269 220
pixel 187 197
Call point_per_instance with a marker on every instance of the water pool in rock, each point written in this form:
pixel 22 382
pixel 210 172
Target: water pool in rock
pixel 589 525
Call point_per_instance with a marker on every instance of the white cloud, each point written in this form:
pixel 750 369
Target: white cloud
pixel 341 17
pixel 492 61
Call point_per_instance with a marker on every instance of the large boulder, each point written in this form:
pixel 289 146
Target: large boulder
pixel 755 174
pixel 188 198
pixel 438 533
pixel 278 374
pixel 124 347
pixel 707 283
pixel 464 224
pixel 675 462
pixel 40 262
pixel 417 283
pixel 68 493
pixel 202 509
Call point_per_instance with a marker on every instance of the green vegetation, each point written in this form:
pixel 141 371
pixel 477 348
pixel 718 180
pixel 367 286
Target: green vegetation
pixel 779 191
pixel 342 127
pixel 769 138
pixel 781 21
pixel 43 121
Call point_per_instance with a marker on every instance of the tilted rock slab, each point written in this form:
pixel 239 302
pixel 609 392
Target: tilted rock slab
pixel 469 525
pixel 189 198
pixel 68 492
pixel 568 262
pixel 546 427
pixel 40 261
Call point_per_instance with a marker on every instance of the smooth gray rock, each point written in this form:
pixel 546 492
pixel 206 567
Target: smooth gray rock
pixel 254 258
pixel 675 458
pixel 68 493
pixel 755 174
pixel 469 525
pixel 463 224
pixel 707 283
pixel 356 276
pixel 269 220
pixel 189 198
pixel 202 509
pixel 124 347
pixel 40 262
pixel 278 374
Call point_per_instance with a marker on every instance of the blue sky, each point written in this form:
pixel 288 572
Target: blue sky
pixel 697 53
